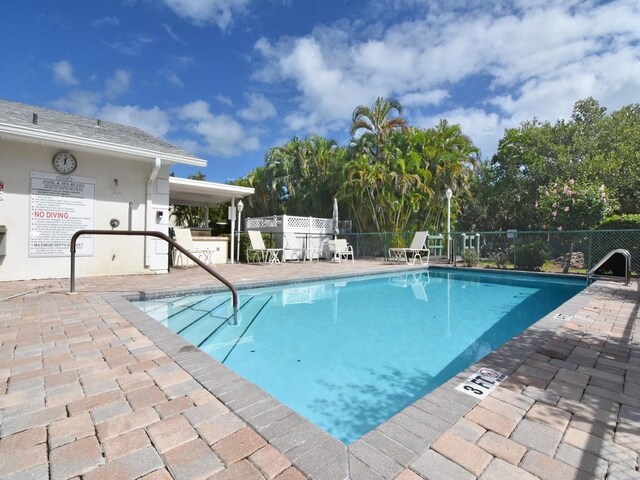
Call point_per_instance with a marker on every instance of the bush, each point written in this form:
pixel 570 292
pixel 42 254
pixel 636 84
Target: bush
pixel 531 256
pixel 620 222
pixel 470 257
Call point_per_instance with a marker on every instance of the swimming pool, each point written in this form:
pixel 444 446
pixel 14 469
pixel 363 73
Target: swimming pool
pixel 351 353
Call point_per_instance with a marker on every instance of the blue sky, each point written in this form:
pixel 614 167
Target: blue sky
pixel 228 79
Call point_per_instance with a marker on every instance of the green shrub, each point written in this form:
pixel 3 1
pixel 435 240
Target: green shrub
pixel 470 257
pixel 531 256
pixel 620 222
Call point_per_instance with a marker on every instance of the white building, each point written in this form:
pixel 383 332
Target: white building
pixel 60 173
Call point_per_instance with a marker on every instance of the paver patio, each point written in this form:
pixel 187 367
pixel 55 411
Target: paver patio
pixel 92 388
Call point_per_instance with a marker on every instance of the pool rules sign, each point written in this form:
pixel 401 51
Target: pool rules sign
pixel 482 383
pixel 60 206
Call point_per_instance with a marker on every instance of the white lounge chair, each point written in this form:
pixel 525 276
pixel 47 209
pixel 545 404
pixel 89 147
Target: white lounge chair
pixel 341 249
pixel 293 245
pixel 184 238
pixel 416 250
pixel 266 255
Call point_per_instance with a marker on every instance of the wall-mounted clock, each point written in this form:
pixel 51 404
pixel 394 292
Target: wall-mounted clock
pixel 64 163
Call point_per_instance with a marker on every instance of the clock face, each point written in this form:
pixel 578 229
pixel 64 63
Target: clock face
pixel 64 163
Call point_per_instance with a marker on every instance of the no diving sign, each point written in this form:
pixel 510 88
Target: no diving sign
pixel 482 383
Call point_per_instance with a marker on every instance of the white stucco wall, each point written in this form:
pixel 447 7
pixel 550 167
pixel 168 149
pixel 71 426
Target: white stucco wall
pixel 113 255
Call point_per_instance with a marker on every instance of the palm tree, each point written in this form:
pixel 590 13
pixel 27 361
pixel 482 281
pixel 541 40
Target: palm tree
pixel 265 201
pixel 306 174
pixel 378 122
pixel 453 159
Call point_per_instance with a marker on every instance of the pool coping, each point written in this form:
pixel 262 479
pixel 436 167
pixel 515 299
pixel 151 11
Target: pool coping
pixel 386 450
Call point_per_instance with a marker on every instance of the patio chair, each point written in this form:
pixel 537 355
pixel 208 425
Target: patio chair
pixel 341 249
pixel 415 251
pixel 266 255
pixel 184 238
pixel 293 245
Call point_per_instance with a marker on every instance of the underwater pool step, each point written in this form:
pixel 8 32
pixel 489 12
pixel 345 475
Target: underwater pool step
pixel 163 308
pixel 209 307
pixel 221 342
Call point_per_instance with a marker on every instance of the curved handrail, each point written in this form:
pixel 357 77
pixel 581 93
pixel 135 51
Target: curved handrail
pixel 627 264
pixel 160 235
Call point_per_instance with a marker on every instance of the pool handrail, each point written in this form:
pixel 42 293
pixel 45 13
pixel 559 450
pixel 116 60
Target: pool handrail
pixel 627 266
pixel 161 236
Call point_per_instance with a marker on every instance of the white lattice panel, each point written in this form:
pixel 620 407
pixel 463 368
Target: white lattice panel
pixel 297 223
pixel 325 224
pixel 260 223
pixel 288 223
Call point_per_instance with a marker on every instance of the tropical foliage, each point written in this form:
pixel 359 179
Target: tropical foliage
pixel 391 177
pixel 593 155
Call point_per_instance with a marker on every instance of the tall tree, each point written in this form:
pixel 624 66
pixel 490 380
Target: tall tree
pixel 592 148
pixel 377 121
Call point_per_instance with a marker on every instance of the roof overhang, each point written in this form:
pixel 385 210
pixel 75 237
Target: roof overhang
pixel 183 191
pixel 44 137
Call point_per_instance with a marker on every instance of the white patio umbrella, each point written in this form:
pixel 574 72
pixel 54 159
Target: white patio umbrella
pixel 336 230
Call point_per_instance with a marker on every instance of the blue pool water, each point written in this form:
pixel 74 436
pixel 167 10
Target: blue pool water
pixel 350 354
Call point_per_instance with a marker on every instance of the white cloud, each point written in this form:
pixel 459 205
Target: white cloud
pixel 63 73
pixel 613 79
pixel 172 34
pixel 219 134
pixel 81 102
pixel 325 88
pixel 118 83
pixel 106 22
pixel 219 12
pixel 174 79
pixel 224 100
pixel 131 44
pixel 417 99
pixel 521 59
pixel 259 108
pixel 152 120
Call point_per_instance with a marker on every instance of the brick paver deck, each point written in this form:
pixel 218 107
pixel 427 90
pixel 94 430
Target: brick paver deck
pixel 92 388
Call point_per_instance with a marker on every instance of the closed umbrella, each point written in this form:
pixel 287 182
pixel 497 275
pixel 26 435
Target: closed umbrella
pixel 336 230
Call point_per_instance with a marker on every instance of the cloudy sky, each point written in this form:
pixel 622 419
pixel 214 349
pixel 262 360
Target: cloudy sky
pixel 227 79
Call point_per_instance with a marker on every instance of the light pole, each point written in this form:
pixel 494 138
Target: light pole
pixel 240 206
pixel 449 194
pixel 231 213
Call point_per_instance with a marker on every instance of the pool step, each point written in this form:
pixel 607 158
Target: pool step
pixel 208 307
pixel 162 308
pixel 222 341
pixel 202 327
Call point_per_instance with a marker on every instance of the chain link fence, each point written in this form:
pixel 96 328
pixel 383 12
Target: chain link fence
pixel 559 251
pixel 547 251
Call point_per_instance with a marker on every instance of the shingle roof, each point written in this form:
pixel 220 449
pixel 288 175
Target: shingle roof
pixel 54 121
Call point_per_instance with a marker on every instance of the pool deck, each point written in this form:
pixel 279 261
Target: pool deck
pixel 92 388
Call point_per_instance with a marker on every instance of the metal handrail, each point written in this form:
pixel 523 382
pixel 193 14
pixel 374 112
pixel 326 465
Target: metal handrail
pixel 627 264
pixel 160 235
